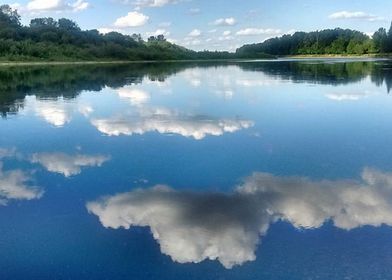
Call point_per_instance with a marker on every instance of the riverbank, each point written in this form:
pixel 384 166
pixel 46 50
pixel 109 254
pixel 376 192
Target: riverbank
pixel 40 63
pixel 294 57
pixel 323 56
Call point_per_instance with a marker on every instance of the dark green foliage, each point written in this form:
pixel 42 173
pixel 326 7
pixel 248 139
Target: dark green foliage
pixel 47 39
pixel 380 39
pixel 330 41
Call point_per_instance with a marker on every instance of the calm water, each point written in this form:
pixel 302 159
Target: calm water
pixel 248 170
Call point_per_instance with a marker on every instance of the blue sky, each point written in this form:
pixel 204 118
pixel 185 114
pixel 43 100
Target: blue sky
pixel 213 25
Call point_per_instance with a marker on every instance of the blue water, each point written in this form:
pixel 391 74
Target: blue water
pixel 245 170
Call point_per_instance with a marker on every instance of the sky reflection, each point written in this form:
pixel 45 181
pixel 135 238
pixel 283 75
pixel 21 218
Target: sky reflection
pixel 193 226
pixel 239 170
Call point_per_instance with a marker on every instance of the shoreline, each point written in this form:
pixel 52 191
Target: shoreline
pixel 294 57
pixel 382 56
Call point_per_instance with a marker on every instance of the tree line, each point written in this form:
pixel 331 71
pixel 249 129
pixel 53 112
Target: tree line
pixel 48 39
pixel 329 41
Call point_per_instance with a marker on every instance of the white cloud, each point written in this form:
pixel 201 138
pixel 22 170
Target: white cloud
pixel 45 5
pixel 159 32
pixel 349 96
pixel 343 97
pixel 6 153
pixel 190 227
pixel 80 5
pixel 225 38
pixel 105 30
pixel 246 82
pixel 191 42
pixel 16 185
pixel 57 113
pixel 225 21
pixel 226 33
pixel 194 226
pixel 86 110
pixel 167 121
pixel 132 19
pixel 136 97
pixel 38 6
pixel 355 15
pixel 258 31
pixel 154 3
pixel 65 164
pixel 195 82
pixel 195 33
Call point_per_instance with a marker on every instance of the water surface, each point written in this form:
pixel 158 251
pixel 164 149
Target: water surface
pixel 235 170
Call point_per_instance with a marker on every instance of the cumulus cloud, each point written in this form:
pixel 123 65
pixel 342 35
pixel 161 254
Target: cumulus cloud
pixel 16 185
pixel 348 96
pixel 159 32
pixel 195 33
pixel 132 19
pixel 167 121
pixel 246 82
pixel 191 41
pixel 192 226
pixel 80 5
pixel 52 111
pixel 225 21
pixel 37 6
pixel 258 31
pixel 153 3
pixel 105 30
pixel 355 15
pixel 57 112
pixel 136 97
pixel 68 165
pixel 6 153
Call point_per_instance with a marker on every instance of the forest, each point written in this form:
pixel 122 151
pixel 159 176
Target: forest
pixel 47 39
pixel 329 41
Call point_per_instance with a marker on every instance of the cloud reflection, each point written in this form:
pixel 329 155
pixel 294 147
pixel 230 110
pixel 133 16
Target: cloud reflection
pixel 65 164
pixel 349 96
pixel 136 97
pixel 167 121
pixel 16 185
pixel 56 113
pixel 192 227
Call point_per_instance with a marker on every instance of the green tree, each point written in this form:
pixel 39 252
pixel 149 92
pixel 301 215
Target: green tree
pixel 43 22
pixel 68 25
pixel 389 40
pixel 380 39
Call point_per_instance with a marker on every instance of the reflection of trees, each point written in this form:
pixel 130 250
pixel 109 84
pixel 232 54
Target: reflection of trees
pixel 383 74
pixel 334 73
pixel 68 81
pixel 314 72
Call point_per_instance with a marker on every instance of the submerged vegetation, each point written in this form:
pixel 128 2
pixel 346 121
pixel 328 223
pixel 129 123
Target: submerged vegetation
pixel 47 39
